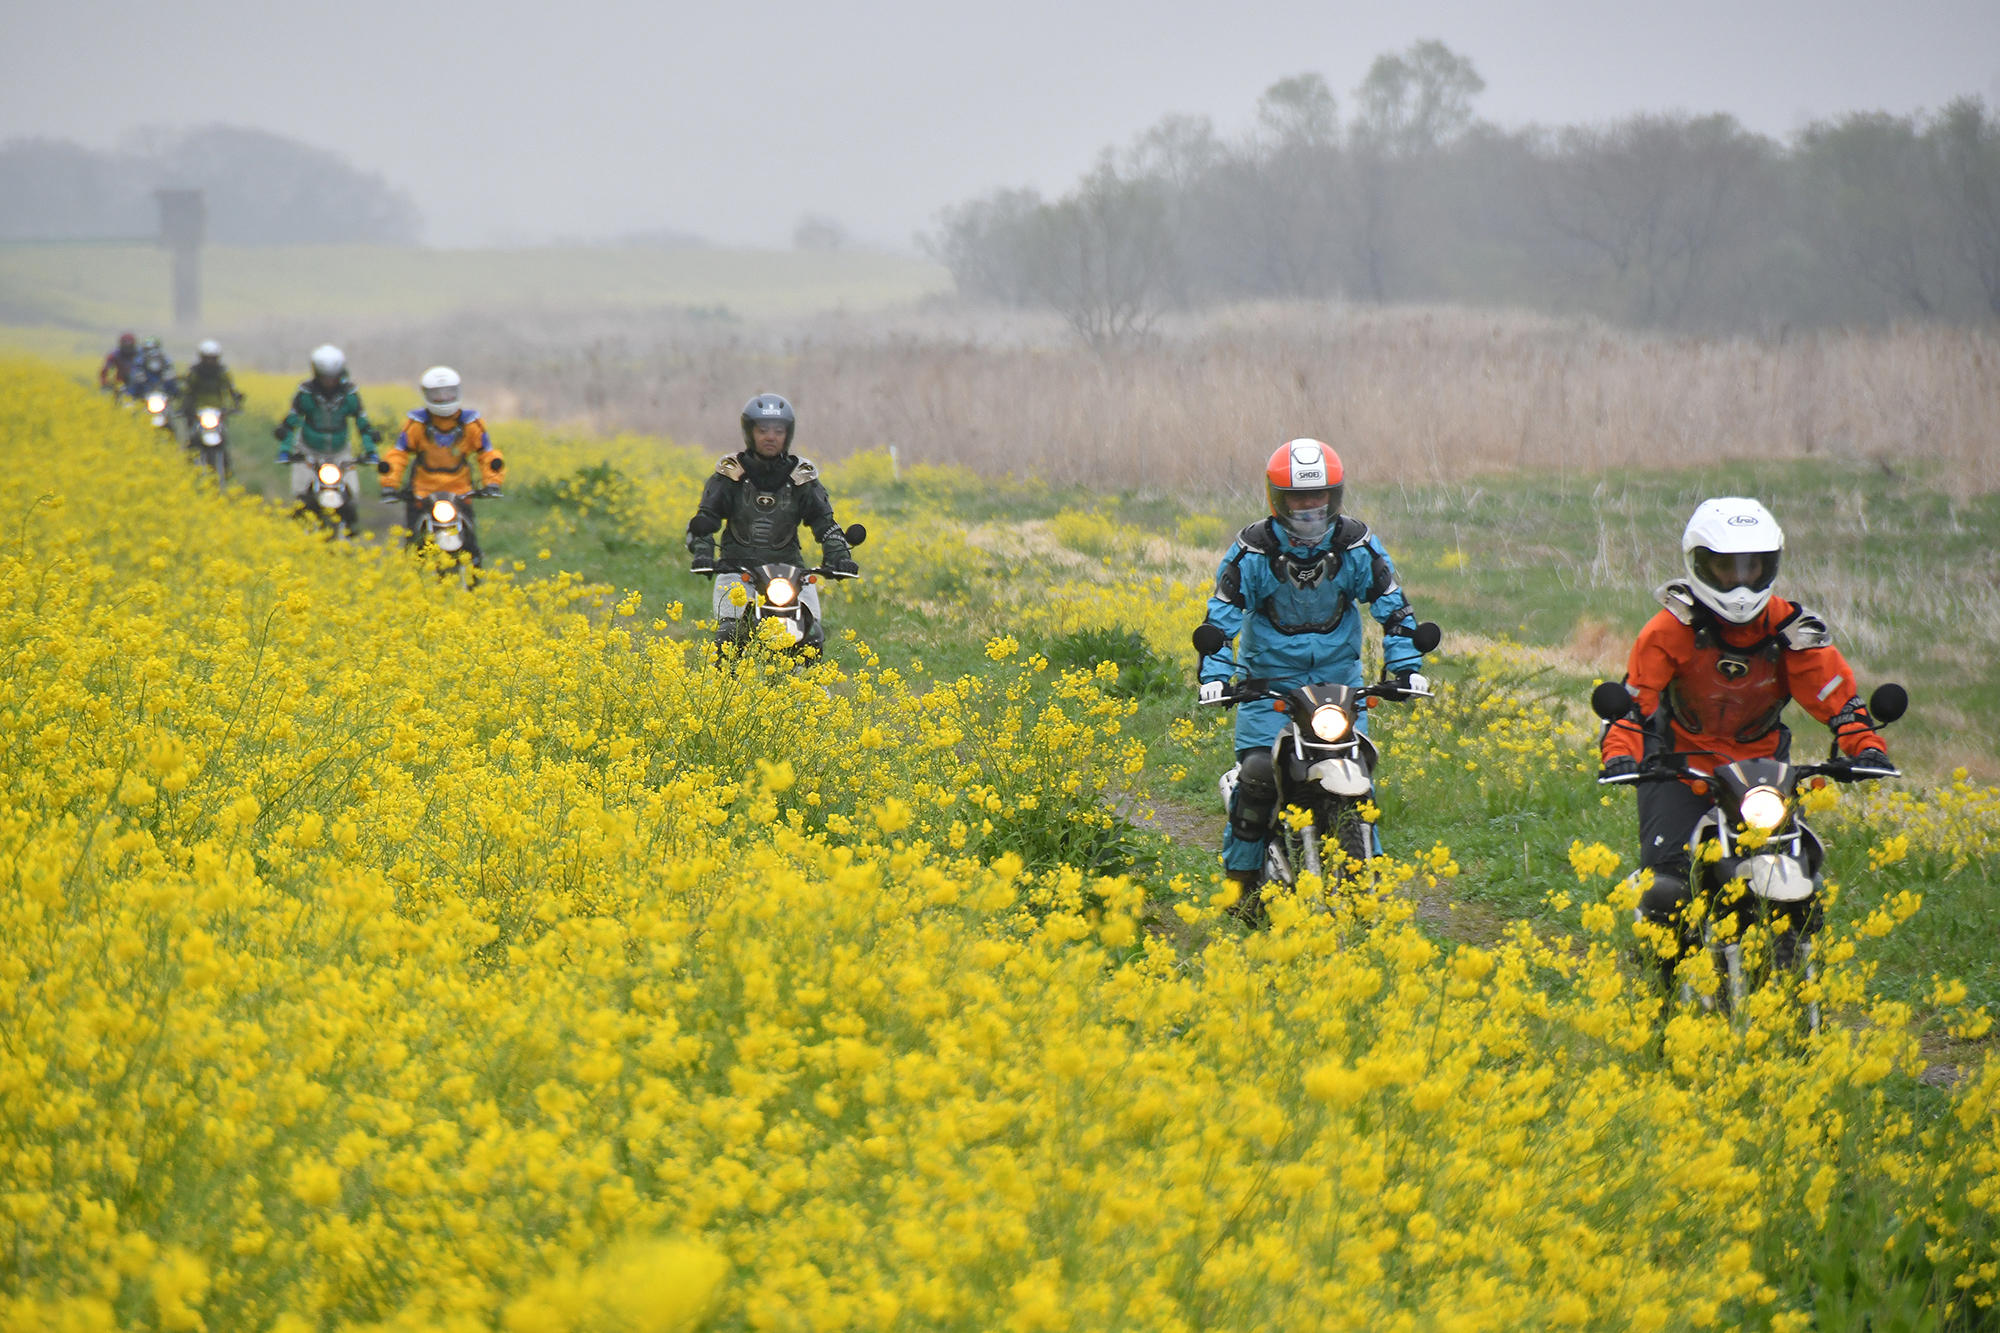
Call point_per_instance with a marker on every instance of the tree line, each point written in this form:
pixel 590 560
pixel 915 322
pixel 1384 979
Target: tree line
pixel 260 189
pixel 1671 221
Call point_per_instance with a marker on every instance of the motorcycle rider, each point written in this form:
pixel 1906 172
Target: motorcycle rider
pixel 119 363
pixel 757 499
pixel 207 384
pixel 321 409
pixel 434 454
pixel 1287 592
pixel 152 370
pixel 1710 675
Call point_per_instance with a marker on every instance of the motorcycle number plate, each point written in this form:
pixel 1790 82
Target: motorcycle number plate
pixel 330 499
pixel 211 437
pixel 1781 879
pixel 1342 777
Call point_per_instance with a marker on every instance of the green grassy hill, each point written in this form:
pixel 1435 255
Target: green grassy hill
pixel 99 286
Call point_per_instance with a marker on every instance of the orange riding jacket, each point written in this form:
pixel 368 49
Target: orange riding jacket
pixel 439 462
pixel 1703 685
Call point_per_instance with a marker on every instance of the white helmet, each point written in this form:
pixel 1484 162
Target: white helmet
pixel 440 386
pixel 1732 547
pixel 327 360
pixel 209 347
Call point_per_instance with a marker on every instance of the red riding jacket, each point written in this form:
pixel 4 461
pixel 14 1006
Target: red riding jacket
pixel 1703 684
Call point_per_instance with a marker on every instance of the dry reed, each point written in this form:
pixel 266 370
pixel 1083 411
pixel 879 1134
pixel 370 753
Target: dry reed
pixel 1413 395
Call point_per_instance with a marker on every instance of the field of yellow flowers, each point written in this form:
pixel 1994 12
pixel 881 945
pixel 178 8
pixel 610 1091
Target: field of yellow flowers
pixel 379 955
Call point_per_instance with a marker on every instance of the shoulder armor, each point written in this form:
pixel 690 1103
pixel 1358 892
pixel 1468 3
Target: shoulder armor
pixel 1349 532
pixel 729 466
pixel 1258 537
pixel 422 414
pixel 466 415
pixel 804 472
pixel 1678 598
pixel 1804 629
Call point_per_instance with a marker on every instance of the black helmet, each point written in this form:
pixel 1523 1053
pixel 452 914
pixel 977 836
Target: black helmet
pixel 768 409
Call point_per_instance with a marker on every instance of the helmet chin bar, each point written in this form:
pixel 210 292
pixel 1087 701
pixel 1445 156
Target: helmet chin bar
pixel 1738 606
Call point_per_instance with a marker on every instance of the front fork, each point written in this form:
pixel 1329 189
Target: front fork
pixel 1809 855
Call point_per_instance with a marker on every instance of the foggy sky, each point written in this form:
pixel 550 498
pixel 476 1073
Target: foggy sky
pixel 514 121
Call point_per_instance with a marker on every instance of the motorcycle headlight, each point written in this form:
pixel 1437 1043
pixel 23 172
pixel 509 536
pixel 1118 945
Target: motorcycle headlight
pixel 781 593
pixel 156 402
pixel 329 474
pixel 444 511
pixel 1330 723
pixel 1764 808
pixel 209 417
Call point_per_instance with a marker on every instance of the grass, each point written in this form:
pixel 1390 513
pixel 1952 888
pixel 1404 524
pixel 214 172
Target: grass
pixel 111 286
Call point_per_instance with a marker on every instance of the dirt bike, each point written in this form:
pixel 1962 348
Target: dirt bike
pixel 208 442
pixel 159 404
pixel 1758 836
pixel 445 522
pixel 778 596
pixel 329 488
pixel 1322 763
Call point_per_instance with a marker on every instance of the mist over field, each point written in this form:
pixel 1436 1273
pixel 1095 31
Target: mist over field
pixel 507 124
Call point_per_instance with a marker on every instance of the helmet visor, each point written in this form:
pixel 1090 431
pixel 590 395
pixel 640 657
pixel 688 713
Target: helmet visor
pixel 442 397
pixel 1754 570
pixel 1306 515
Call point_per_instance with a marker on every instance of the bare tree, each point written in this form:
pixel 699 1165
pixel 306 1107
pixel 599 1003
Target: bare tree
pixel 1417 101
pixel 1967 146
pixel 1874 208
pixel 1104 256
pixel 1654 200
pixel 1181 156
pixel 985 243
pixel 1411 105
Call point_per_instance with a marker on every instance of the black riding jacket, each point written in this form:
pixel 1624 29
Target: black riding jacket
pixel 758 505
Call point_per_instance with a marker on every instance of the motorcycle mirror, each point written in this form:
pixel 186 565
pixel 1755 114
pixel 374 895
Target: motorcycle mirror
pixel 1427 637
pixel 1888 703
pixel 1610 701
pixel 856 534
pixel 1208 640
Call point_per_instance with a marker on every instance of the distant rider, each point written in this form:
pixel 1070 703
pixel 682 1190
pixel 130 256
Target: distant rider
pixel 757 499
pixel 1711 675
pixel 152 371
pixel 116 372
pixel 1288 592
pixel 208 384
pixel 434 455
pixel 320 412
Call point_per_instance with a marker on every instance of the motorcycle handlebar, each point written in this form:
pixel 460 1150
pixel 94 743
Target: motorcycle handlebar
pixel 1250 691
pixel 1843 770
pixel 710 571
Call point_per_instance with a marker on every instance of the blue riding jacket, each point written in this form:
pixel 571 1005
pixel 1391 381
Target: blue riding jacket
pixel 1294 612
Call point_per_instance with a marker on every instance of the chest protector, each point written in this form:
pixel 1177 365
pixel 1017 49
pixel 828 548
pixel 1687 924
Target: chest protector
pixel 1306 600
pixel 442 450
pixel 325 415
pixel 1737 693
pixel 765 520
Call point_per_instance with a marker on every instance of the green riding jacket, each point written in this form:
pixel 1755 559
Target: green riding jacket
pixel 208 384
pixel 320 417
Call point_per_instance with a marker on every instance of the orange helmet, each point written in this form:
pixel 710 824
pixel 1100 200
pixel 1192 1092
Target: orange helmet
pixel 1303 482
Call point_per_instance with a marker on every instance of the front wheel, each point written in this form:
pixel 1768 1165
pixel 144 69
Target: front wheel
pixel 1345 829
